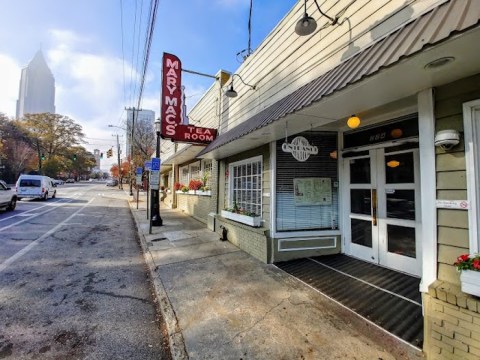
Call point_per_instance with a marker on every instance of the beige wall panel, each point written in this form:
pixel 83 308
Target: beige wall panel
pixel 448 273
pixel 450 161
pixel 458 88
pixel 449 254
pixel 455 180
pixel 452 194
pixel 453 106
pixel 453 121
pixel 453 237
pixel 453 218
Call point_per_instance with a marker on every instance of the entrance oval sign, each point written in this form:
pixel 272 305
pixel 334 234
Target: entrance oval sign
pixel 300 148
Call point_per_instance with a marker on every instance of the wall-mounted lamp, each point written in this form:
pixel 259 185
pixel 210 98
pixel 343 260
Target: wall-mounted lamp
pixel 447 139
pixel 231 93
pixel 353 122
pixel 307 24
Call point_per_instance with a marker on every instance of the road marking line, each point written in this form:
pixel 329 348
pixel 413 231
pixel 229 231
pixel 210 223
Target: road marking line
pixel 54 204
pixel 30 246
pixel 33 215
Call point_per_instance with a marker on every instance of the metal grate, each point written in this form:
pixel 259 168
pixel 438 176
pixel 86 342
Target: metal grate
pixel 389 299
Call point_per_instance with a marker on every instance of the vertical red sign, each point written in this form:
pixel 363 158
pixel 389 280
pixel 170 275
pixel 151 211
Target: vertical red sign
pixel 171 111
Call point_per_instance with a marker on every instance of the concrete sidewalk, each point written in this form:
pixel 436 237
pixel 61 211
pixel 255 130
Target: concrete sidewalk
pixel 221 303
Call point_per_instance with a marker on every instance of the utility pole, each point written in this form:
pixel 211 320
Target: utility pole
pixel 120 185
pixel 131 146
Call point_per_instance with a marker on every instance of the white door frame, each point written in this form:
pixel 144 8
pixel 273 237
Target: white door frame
pixel 378 253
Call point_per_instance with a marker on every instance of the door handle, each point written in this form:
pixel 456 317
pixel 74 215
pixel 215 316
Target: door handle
pixel 374 207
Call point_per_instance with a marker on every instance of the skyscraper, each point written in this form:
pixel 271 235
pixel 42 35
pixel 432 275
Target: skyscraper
pixel 37 88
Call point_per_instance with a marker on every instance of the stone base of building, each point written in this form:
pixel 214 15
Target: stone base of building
pixel 253 241
pixel 194 205
pixel 452 323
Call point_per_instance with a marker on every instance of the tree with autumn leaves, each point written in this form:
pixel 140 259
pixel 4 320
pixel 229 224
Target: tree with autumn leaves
pixel 48 144
pixel 144 141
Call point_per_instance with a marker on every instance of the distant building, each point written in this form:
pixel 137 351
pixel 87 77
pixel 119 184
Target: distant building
pixel 96 154
pixel 37 88
pixel 145 116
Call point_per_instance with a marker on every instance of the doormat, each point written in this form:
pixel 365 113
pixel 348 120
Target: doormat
pixel 387 298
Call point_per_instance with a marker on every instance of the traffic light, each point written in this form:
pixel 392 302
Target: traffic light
pixel 74 157
pixel 101 155
pixel 109 153
pixel 43 157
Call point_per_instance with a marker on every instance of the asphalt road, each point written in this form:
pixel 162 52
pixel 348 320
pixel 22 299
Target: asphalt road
pixel 73 282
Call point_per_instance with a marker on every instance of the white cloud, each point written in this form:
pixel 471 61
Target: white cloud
pixel 10 74
pixel 89 88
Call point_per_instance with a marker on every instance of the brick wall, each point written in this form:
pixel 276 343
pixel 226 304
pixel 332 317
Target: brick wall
pixel 251 240
pixel 452 323
pixel 195 205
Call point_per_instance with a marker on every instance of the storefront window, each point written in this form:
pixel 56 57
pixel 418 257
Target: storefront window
pixel 184 179
pixel 207 173
pixel 307 191
pixel 246 185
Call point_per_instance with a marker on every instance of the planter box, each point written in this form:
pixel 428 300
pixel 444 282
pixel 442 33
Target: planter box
pixel 244 219
pixel 204 193
pixel 470 281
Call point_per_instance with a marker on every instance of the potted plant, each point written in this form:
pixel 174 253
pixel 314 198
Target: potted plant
pixel 177 186
pixel 195 185
pixel 469 267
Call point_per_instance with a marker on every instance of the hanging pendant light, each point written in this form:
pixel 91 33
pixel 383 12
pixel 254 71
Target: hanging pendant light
pixel 231 93
pixel 353 122
pixel 306 25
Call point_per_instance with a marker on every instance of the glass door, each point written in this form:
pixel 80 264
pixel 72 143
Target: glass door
pixel 383 208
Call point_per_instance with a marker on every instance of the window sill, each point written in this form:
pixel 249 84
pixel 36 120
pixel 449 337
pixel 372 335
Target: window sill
pixel 195 192
pixel 244 219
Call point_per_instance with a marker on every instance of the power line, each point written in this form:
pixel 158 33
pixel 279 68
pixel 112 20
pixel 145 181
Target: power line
pixel 123 52
pixel 133 51
pixel 138 45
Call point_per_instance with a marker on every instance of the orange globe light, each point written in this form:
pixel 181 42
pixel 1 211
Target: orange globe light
pixel 353 122
pixel 396 133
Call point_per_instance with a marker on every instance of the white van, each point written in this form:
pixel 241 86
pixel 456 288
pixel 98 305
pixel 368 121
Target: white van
pixel 36 187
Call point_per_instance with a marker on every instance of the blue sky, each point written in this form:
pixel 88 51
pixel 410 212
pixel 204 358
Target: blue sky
pixel 82 43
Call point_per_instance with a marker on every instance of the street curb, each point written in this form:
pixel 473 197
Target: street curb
pixel 175 337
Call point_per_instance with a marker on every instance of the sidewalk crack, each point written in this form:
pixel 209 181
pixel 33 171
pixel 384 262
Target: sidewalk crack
pixel 261 319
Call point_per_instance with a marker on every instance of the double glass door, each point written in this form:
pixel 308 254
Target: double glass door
pixel 383 207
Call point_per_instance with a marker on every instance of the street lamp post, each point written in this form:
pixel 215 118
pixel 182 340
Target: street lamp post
pixel 155 206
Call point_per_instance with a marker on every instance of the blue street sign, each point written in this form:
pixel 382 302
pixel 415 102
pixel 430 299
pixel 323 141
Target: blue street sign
pixel 139 171
pixel 148 165
pixel 155 164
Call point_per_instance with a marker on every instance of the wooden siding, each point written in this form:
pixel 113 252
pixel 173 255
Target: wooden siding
pixel 451 175
pixel 275 67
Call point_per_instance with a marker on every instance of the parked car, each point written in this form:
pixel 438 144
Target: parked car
pixel 70 181
pixel 112 182
pixel 8 197
pixel 36 187
pixel 58 181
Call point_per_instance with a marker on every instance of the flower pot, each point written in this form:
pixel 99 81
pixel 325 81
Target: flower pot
pixel 254 221
pixel 470 281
